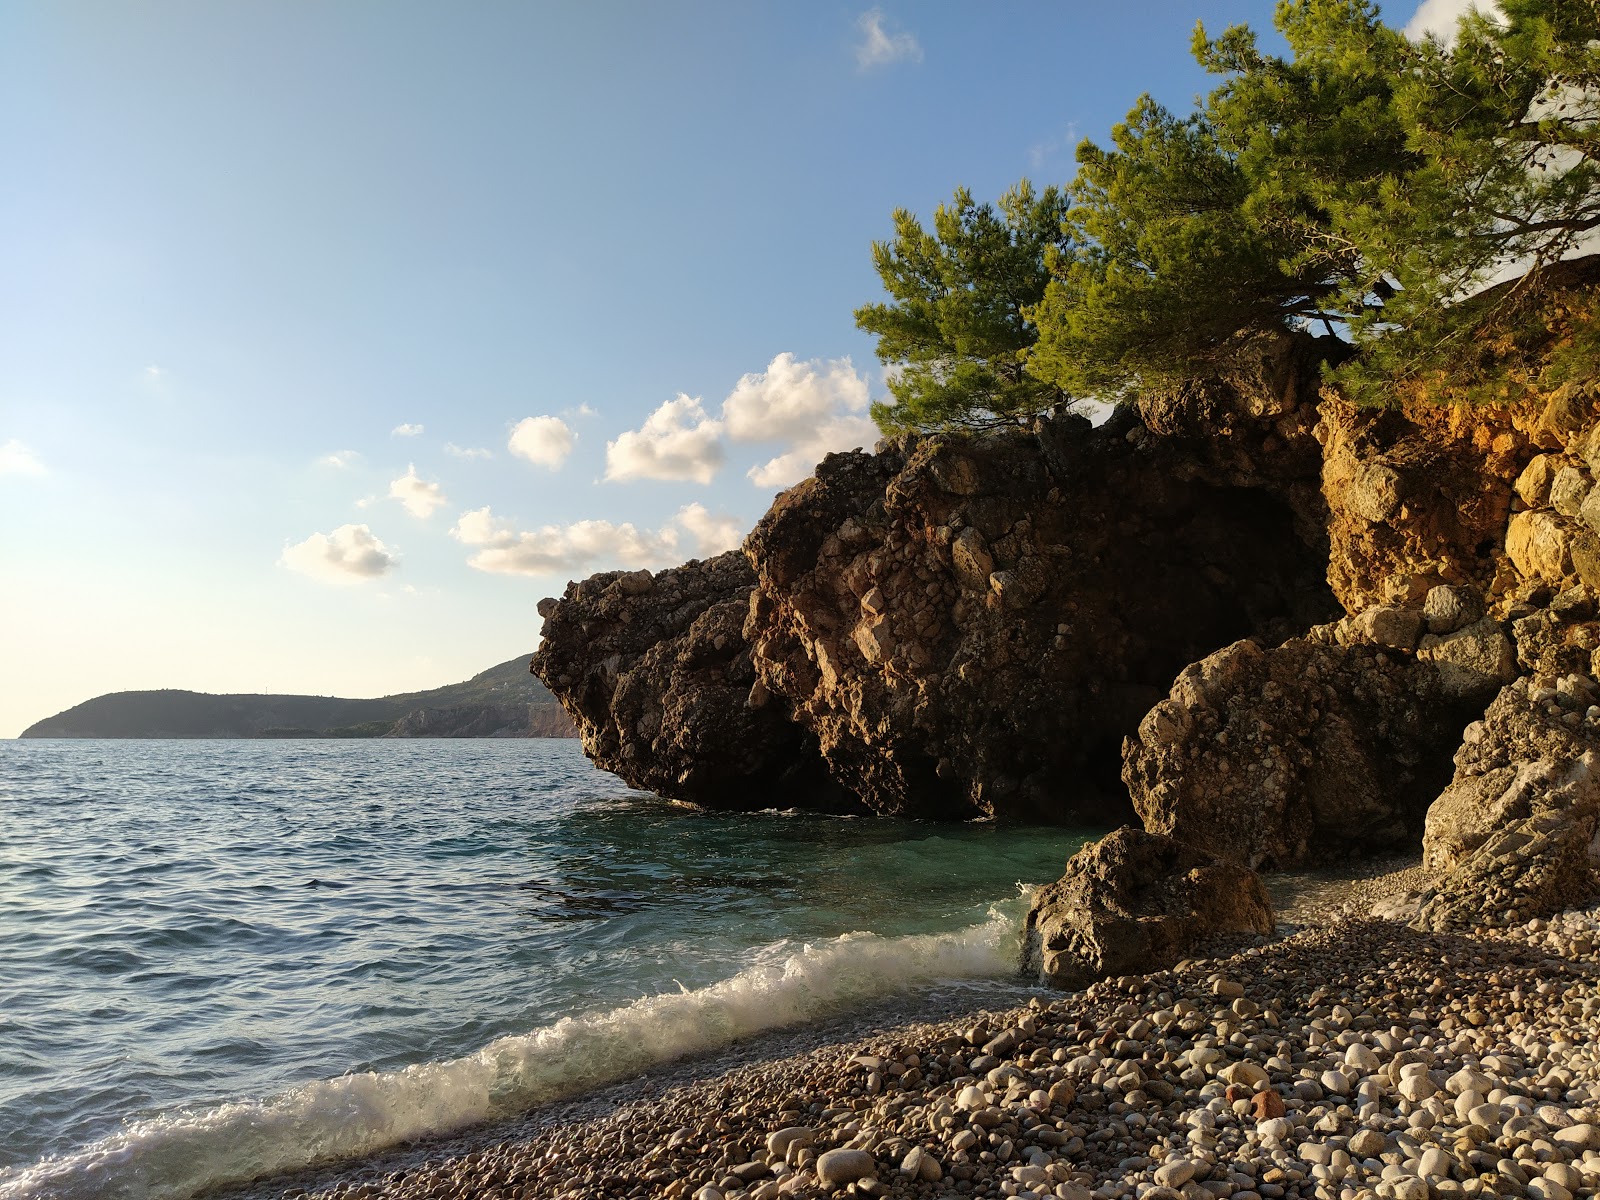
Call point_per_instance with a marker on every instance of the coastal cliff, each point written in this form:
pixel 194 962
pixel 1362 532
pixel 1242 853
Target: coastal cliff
pixel 1255 619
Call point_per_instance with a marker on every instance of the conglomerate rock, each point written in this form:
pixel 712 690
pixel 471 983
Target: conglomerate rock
pixel 970 624
pixel 1513 836
pixel 1134 902
pixel 656 673
pixel 1270 757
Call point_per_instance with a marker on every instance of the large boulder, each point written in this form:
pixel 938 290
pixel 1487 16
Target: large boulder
pixel 656 673
pixel 1314 749
pixel 970 624
pixel 1136 902
pixel 1514 835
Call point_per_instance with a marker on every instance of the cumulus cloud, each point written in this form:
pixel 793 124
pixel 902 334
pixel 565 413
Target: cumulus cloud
pixel 468 452
pixel 878 47
pixel 543 441
pixel 503 549
pixel 418 495
pixel 1441 17
pixel 340 459
pixel 350 554
pixel 18 459
pixel 712 534
pixel 677 442
pixel 407 430
pixel 817 407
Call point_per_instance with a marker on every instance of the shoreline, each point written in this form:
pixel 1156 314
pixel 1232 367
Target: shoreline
pixel 1341 1000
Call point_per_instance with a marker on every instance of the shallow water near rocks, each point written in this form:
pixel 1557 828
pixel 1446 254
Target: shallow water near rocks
pixel 226 958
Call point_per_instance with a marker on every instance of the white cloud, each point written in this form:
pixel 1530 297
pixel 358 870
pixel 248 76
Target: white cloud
pixel 340 458
pixel 552 549
pixel 18 459
pixel 350 554
pixel 677 442
pixel 418 495
pixel 590 545
pixel 878 47
pixel 543 441
pixel 712 534
pixel 817 407
pixel 456 451
pixel 406 430
pixel 1441 17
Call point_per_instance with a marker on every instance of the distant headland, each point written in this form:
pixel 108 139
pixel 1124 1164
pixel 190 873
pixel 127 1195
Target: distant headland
pixel 505 702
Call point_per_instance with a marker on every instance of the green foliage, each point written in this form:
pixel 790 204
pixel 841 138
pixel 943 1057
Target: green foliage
pixel 1505 125
pixel 1420 200
pixel 1198 228
pixel 957 326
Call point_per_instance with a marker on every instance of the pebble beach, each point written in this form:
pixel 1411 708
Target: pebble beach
pixel 1348 1058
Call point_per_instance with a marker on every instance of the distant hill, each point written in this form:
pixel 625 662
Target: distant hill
pixel 504 701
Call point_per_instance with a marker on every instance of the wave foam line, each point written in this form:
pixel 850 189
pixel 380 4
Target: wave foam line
pixel 170 1157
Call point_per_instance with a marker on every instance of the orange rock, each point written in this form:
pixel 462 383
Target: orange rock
pixel 1268 1104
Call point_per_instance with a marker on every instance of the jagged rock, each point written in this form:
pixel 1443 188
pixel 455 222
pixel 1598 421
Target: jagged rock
pixel 1448 609
pixel 655 670
pixel 1135 902
pixel 1418 495
pixel 1268 757
pixel 1471 662
pixel 1528 723
pixel 1539 544
pixel 1532 867
pixel 1384 625
pixel 970 624
pixel 1569 490
pixel 1533 485
pixel 1560 638
pixel 1513 837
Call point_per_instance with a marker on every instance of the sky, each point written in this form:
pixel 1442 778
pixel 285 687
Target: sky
pixel 333 336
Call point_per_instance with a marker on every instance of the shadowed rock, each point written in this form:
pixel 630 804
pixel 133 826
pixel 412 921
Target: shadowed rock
pixel 1135 902
pixel 656 673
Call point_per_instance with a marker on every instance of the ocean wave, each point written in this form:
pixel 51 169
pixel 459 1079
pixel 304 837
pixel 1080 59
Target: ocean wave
pixel 170 1157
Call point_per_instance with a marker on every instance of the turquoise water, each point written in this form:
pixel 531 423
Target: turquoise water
pixel 223 958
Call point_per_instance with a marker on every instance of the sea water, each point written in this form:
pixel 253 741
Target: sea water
pixel 221 959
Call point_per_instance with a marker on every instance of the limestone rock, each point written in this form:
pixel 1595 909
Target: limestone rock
pixel 1569 490
pixel 1513 837
pixel 1135 902
pixel 1418 495
pixel 1471 662
pixel 1539 544
pixel 1448 609
pixel 1271 757
pixel 656 672
pixel 1533 485
pixel 1386 625
pixel 1031 592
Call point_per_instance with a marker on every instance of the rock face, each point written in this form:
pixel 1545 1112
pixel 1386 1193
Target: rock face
pixel 1135 902
pixel 656 673
pixel 1514 835
pixel 1268 757
pixel 970 625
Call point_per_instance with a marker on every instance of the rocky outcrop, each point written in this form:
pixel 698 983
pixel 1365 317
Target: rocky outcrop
pixel 1514 835
pixel 967 623
pixel 1269 757
pixel 1135 902
pixel 1418 495
pixel 655 670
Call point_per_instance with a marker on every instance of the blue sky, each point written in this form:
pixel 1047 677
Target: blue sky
pixel 333 336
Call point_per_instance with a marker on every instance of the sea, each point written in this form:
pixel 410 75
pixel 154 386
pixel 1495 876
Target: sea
pixel 221 960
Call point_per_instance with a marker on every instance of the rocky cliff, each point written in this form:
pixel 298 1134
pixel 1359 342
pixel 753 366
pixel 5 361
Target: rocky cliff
pixel 1244 613
pixel 961 626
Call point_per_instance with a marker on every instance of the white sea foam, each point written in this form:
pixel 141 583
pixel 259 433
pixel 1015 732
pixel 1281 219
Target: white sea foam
pixel 176 1156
